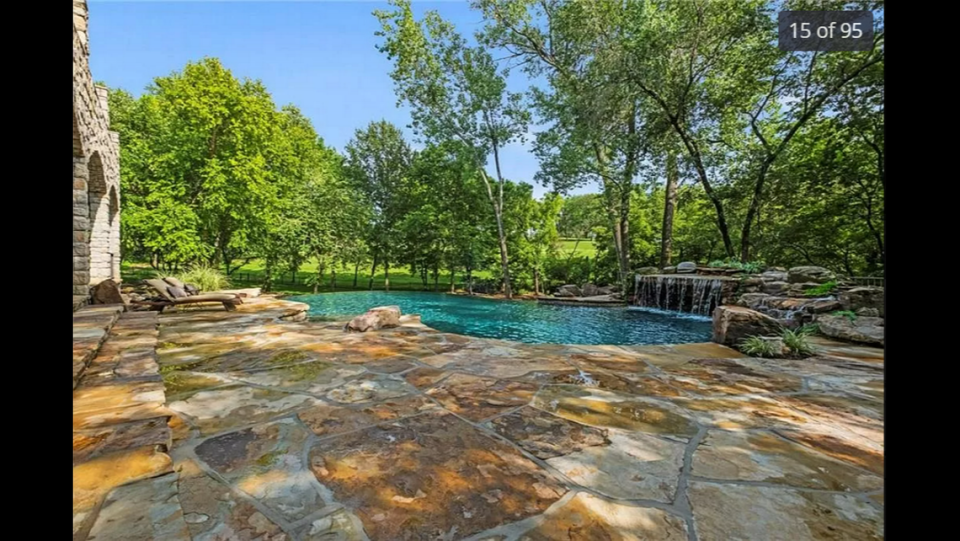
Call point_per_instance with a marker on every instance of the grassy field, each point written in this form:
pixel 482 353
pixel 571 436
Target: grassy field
pixel 584 248
pixel 251 274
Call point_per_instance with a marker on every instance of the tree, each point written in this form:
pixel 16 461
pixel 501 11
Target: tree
pixel 204 161
pixel 456 92
pixel 798 85
pixel 542 237
pixel 377 164
pixel 595 121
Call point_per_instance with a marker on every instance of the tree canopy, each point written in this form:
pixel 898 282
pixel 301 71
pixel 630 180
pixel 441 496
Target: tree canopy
pixel 703 140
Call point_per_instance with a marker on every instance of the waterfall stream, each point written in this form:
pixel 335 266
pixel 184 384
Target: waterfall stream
pixel 691 294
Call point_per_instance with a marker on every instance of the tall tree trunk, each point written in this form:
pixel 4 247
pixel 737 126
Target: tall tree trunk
pixel 614 200
pixel 536 281
pixel 626 190
pixel 501 236
pixel 625 238
pixel 386 275
pixel 453 274
pixel 356 273
pixel 373 270
pixel 753 210
pixel 333 279
pixel 319 279
pixel 268 274
pixel 669 207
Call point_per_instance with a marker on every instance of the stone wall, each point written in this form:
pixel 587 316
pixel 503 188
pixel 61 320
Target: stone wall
pixel 96 173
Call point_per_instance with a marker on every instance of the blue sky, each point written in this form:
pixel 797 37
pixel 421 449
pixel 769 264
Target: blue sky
pixel 318 55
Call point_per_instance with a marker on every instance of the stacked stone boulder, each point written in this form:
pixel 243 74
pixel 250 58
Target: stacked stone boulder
pixel 587 290
pixel 783 295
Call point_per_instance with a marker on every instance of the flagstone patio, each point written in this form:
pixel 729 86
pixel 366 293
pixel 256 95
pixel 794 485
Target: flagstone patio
pixel 297 430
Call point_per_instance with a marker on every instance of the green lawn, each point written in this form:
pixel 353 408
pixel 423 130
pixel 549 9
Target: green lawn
pixel 584 248
pixel 251 274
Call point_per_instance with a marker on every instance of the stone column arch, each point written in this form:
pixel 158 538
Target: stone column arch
pixel 101 267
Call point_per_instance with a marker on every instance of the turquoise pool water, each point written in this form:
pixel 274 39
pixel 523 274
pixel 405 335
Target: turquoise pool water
pixel 521 321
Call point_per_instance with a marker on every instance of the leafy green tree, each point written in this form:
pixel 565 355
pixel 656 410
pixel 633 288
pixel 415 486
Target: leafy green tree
pixel 203 161
pixel 377 165
pixel 796 86
pixel 456 92
pixel 542 237
pixel 595 121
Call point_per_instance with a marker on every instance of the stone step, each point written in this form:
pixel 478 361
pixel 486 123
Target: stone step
pixel 91 326
pixel 122 474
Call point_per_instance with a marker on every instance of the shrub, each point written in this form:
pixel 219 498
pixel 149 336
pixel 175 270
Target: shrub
pixel 822 289
pixel 756 346
pixel 796 342
pixel 852 316
pixel 205 277
pixel 808 329
pixel 751 267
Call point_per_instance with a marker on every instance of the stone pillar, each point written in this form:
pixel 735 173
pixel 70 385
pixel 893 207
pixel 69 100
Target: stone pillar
pixel 115 223
pixel 81 228
pixel 80 20
pixel 103 102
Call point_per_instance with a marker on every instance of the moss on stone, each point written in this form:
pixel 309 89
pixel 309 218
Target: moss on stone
pixel 269 459
pixel 286 357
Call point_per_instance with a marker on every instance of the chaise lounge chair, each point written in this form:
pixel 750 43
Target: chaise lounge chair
pixel 229 300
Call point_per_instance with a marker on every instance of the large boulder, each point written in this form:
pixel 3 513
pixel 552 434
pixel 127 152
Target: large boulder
pixel 822 305
pixel 568 290
pixel 375 319
pixel 817 275
pixel 589 290
pixel 648 270
pixel 107 292
pixel 605 290
pixel 687 267
pixel 669 270
pixel 863 297
pixel 752 300
pixel 731 324
pixel 774 276
pixel 866 330
pixel 775 288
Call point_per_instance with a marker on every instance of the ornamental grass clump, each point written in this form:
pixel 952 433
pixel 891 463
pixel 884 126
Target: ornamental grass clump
pixel 205 277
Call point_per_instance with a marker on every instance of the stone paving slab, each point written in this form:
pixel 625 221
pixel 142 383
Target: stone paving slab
pixel 723 512
pixel 290 429
pixel 143 510
pixel 121 437
pixel 91 325
pixel 431 475
pixel 586 517
pixel 213 510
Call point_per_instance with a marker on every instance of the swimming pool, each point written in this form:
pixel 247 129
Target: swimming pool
pixel 521 321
